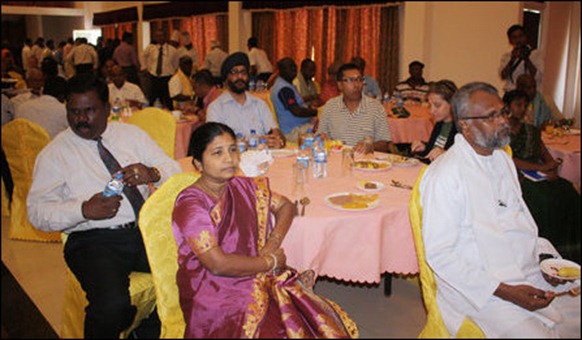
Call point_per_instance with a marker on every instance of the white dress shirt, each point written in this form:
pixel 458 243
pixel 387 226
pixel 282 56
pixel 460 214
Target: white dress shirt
pixel 259 58
pixel 254 114
pixel 69 171
pixel 213 61
pixel 83 54
pixel 45 111
pixel 477 233
pixel 192 53
pixel 169 59
pixel 128 91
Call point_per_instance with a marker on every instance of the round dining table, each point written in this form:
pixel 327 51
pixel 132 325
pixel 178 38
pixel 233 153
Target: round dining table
pixel 355 246
pixel 416 127
pixel 566 147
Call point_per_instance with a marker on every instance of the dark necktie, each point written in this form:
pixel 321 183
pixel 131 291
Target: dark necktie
pixel 159 66
pixel 132 194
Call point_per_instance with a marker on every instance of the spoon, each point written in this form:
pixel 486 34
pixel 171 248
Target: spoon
pixel 304 201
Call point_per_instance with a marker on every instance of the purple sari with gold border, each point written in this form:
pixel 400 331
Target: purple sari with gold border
pixel 256 306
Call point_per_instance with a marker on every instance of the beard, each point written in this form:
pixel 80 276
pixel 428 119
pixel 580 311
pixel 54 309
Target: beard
pixel 498 140
pixel 239 86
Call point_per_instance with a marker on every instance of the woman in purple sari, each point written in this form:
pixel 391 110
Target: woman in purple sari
pixel 232 275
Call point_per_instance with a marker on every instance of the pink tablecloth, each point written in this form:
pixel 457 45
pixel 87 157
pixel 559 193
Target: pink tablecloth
pixel 568 149
pixel 350 246
pixel 416 127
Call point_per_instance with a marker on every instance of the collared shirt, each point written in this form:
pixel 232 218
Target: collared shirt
pixel 125 55
pixel 407 92
pixel 259 58
pixel 83 54
pixel 69 171
pixel 537 60
pixel 128 91
pixel 284 96
pixel 369 120
pixel 45 111
pixel 169 59
pixel 254 114
pixel 213 61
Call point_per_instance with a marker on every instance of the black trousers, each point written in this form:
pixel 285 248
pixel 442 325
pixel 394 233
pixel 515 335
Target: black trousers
pixel 84 68
pixel 131 73
pixel 159 89
pixel 102 260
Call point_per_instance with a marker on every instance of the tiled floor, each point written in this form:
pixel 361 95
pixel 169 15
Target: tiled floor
pixel 39 268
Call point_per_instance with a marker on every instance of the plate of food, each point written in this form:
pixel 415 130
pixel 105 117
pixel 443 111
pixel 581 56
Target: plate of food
pixel 561 269
pixel 335 145
pixel 370 186
pixel 372 165
pixel 282 153
pixel 347 201
pixel 398 160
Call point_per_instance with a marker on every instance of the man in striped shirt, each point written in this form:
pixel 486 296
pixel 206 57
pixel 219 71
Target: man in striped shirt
pixel 352 117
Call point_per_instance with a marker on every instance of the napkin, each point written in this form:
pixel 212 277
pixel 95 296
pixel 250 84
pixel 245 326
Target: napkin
pixel 255 163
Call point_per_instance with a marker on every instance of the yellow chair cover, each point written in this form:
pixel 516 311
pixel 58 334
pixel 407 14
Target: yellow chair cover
pixel 160 125
pixel 155 222
pixel 5 206
pixel 435 327
pixel 22 140
pixel 141 290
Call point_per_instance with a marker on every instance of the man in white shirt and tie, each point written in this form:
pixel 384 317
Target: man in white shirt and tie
pixel 161 62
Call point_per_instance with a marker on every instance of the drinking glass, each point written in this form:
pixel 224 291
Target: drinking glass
pixel 347 161
pixel 299 180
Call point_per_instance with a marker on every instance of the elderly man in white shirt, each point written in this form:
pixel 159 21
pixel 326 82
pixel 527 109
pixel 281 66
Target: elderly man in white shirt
pixel 214 59
pixel 126 92
pixel 161 62
pixel 480 238
pixel 35 83
pixel 48 110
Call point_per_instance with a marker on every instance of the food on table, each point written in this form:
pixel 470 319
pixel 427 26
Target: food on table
pixel 569 272
pixel 370 185
pixel 370 165
pixel 353 201
pixel 336 145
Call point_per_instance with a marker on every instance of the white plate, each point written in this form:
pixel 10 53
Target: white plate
pixel 398 160
pixel 572 132
pixel 327 201
pixel 361 185
pixel 551 267
pixel 282 153
pixel 388 166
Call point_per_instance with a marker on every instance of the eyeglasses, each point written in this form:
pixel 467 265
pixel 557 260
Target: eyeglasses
pixel 503 113
pixel 353 80
pixel 241 71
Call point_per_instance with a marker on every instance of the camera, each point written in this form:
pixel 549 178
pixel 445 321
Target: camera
pixel 525 51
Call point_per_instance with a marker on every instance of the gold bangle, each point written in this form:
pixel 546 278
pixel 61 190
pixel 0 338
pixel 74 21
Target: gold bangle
pixel 157 175
pixel 277 237
pixel 269 261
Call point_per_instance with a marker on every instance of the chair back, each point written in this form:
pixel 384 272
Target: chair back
pixel 22 141
pixel 155 222
pixel 160 125
pixel 272 108
pixel 434 327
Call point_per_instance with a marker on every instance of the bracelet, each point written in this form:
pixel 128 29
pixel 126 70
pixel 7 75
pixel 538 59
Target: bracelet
pixel 277 237
pixel 157 175
pixel 275 262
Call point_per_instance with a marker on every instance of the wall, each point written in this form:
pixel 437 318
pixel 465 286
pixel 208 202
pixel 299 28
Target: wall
pixel 461 41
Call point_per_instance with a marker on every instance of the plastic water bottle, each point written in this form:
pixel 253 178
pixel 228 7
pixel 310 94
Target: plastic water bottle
pixel 309 138
pixel 263 145
pixel 303 156
pixel 253 140
pixel 241 144
pixel 319 161
pixel 116 109
pixel 114 187
pixel 313 147
pixel 399 101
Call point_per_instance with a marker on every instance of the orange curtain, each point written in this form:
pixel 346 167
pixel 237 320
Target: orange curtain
pixel 202 28
pixel 333 33
pixel 116 31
